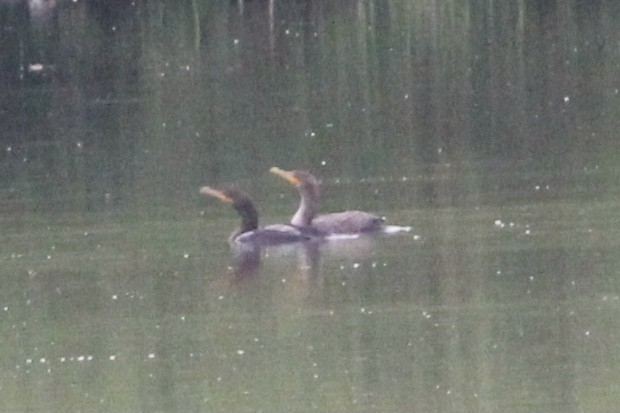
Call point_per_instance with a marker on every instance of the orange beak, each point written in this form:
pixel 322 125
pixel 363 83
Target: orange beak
pixel 289 176
pixel 205 190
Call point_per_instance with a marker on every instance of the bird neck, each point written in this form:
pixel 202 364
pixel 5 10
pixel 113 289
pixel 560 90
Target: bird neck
pixel 249 219
pixel 307 209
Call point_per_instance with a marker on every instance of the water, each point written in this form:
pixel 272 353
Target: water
pixel 490 129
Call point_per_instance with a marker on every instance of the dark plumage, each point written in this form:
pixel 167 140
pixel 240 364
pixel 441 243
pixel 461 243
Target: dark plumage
pixel 249 231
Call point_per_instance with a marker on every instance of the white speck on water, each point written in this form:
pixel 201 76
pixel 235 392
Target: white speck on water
pixel 417 237
pixel 28 361
pixel 329 125
pixel 283 280
pixel 151 356
pixel 499 223
pixel 115 297
pixel 42 360
pixel 344 283
pixel 62 359
pixel 323 163
pixel 112 357
pixel 566 99
pixel 81 358
pixel 182 318
pixel 527 232
pixel 356 265
pixel 287 32
pixel 406 96
pixel 537 187
pixel 236 41
pixel 49 257
pixel 89 358
pixel 342 267
pixel 587 333
pixel 316 376
pixel 186 255
pixel 240 352
pixel 6 308
pixel 221 297
pixel 312 134
pixel 531 277
pixel 498 272
pixel 362 310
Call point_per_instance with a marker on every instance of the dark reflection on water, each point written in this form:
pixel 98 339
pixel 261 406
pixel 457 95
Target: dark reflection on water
pixel 490 127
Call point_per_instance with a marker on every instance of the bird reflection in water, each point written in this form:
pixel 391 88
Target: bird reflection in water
pixel 246 259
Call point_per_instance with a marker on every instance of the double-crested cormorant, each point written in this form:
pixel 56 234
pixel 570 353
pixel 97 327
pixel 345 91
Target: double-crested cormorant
pixel 249 232
pixel 346 222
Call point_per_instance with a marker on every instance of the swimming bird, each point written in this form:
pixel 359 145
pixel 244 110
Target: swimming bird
pixel 346 222
pixel 249 231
